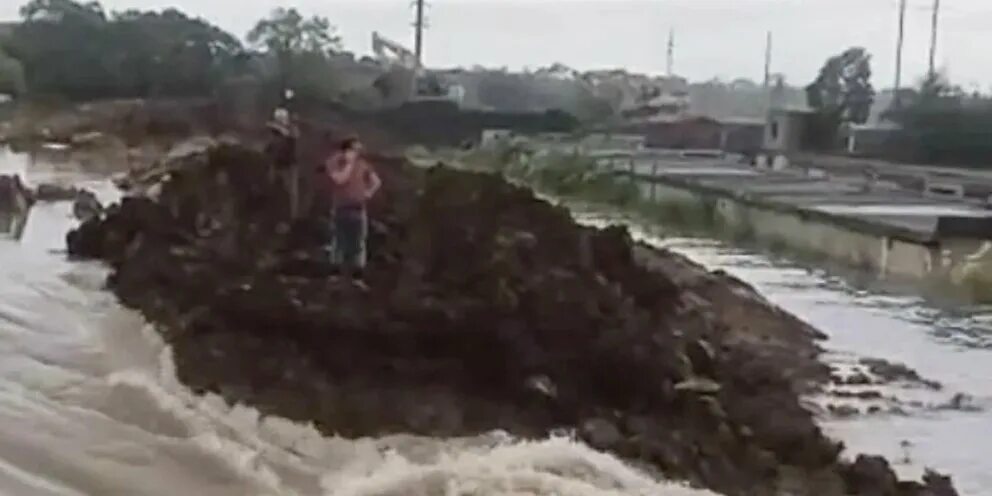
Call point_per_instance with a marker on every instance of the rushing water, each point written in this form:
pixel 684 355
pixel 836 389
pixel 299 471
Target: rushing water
pixel 950 345
pixel 90 405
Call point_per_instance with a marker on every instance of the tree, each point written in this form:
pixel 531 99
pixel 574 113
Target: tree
pixel 299 45
pixel 943 124
pixel 843 88
pixel 286 31
pixel 76 50
pixel 842 93
pixel 59 11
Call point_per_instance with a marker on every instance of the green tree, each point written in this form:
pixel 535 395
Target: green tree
pixel 842 93
pixel 300 47
pixel 942 124
pixel 844 87
pixel 76 50
pixel 59 11
pixel 169 53
pixel 287 31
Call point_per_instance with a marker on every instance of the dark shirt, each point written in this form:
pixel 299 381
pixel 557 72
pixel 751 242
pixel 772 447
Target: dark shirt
pixel 282 149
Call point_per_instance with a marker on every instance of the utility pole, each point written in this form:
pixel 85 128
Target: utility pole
pixel 933 38
pixel 418 25
pixel 899 44
pixel 768 60
pixel 671 52
pixel 897 98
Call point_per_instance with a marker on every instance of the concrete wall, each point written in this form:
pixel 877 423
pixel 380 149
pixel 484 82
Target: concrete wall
pixel 784 131
pixel 794 231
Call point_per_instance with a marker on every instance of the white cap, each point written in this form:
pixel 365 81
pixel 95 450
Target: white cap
pixel 281 116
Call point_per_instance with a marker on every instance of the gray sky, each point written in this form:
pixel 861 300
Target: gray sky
pixel 714 38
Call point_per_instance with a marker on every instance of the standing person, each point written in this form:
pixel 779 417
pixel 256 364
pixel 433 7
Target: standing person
pixel 353 183
pixel 282 150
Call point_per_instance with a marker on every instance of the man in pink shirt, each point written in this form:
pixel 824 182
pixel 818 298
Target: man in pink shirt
pixel 353 183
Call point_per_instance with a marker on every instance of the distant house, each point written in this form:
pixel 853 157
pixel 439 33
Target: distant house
pixel 679 133
pixel 871 139
pixel 742 135
pixel 785 130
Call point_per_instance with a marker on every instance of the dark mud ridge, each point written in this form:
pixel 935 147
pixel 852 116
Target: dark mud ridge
pixel 488 309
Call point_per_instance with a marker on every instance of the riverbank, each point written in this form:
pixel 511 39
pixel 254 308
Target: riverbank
pixel 495 327
pixel 873 226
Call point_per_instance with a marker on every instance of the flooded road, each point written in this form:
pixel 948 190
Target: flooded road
pixel 90 405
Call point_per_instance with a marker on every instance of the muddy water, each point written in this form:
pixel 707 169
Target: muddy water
pixel 89 405
pixel 864 318
pixel 949 345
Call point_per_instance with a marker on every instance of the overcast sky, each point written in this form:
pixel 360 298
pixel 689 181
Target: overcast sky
pixel 714 38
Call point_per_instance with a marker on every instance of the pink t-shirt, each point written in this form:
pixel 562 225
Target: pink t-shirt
pixel 352 191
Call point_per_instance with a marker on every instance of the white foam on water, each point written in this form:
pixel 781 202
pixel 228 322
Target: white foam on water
pixel 552 467
pixel 284 457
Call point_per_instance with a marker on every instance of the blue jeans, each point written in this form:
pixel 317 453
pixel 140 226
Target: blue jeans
pixel 350 230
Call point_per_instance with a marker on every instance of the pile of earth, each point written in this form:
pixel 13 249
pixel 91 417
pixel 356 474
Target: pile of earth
pixel 487 309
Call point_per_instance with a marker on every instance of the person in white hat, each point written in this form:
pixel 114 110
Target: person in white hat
pixel 282 150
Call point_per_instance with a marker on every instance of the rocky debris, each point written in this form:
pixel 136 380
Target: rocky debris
pixel 89 139
pixel 86 206
pixel 484 312
pixel 15 203
pixel 961 402
pixel 860 395
pixel 49 192
pixel 844 411
pixel 14 195
pixel 601 433
pixel 938 485
pixel 871 475
pixel 897 372
pixel 858 379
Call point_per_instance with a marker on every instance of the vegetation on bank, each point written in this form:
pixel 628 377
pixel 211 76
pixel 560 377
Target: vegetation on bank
pixel 579 178
pixel 943 124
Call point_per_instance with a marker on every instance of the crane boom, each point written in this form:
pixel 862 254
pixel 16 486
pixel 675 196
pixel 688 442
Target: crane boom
pixel 390 52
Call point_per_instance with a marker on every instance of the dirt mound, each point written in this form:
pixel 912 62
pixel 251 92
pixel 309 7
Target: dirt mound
pixel 488 309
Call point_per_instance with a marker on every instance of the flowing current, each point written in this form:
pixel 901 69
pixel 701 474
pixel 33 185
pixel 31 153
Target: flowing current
pixel 90 404
pixel 863 318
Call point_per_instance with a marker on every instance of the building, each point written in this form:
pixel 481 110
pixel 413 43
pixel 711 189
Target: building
pixel 871 140
pixel 785 130
pixel 742 135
